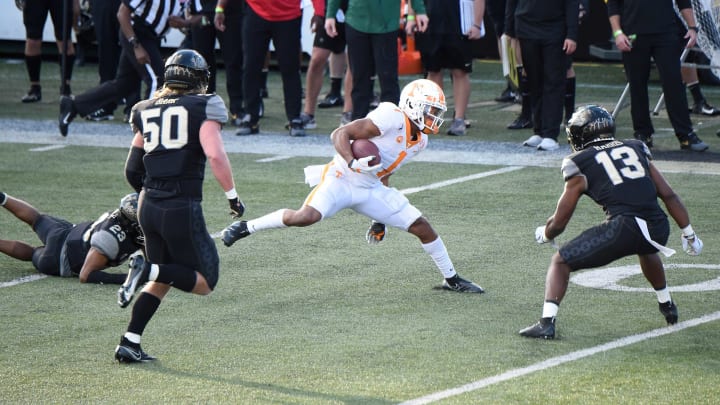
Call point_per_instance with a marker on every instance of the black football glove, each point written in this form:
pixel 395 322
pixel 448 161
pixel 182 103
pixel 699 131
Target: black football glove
pixel 237 208
pixel 375 233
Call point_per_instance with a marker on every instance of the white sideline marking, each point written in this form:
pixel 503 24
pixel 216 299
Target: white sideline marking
pixel 274 158
pixel 46 148
pixel 556 361
pixel 460 179
pixel 21 280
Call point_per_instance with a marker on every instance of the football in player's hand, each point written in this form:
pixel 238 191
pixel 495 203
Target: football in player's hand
pixel 363 147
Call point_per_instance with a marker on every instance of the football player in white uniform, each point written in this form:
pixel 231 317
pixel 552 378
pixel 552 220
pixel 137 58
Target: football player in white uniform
pixel 400 133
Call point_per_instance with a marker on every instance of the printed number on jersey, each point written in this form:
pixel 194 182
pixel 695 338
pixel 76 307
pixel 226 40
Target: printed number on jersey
pixel 165 126
pixel 621 162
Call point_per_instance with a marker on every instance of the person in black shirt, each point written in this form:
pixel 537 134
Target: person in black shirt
pixel 548 32
pixel 645 30
pixel 176 133
pixel 143 23
pixel 620 177
pixel 81 250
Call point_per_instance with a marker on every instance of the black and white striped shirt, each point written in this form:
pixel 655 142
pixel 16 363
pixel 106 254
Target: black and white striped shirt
pixel 155 13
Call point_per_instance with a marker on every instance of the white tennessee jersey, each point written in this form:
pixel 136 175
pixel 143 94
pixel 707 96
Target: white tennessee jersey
pixel 394 143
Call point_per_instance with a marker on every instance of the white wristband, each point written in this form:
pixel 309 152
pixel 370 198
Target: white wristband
pixel 231 194
pixel 688 231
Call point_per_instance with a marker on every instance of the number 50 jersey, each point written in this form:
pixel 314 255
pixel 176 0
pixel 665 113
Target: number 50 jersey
pixel 617 176
pixel 174 159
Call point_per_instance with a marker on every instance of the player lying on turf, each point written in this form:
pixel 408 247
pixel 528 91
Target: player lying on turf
pixel 619 176
pixel 349 181
pixel 82 250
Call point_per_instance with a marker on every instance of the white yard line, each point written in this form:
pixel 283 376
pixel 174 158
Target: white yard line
pixel 556 361
pixel 21 280
pixel 460 179
pixel 47 148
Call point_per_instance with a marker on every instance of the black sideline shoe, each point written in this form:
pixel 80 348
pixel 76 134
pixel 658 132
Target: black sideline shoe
pixel 236 230
pixel 705 109
pixel 137 275
pixel 128 352
pixel 543 329
pixel 669 311
pixel 33 95
pixel 520 123
pixel 100 115
pixel 331 100
pixel 459 284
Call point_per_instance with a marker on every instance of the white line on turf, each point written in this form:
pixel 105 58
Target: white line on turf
pixel 556 361
pixel 460 179
pixel 20 280
pixel 47 148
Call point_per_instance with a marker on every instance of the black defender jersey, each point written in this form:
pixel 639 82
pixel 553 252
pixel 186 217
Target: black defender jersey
pixel 174 160
pixel 618 177
pixel 112 234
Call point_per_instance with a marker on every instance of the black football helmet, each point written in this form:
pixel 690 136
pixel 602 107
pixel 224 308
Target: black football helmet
pixel 589 124
pixel 186 69
pixel 129 207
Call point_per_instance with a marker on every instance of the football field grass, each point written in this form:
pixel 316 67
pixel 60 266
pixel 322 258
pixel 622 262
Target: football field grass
pixel 317 316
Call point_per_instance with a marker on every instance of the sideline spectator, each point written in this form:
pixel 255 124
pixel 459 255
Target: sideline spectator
pixel 280 21
pixel 371 34
pixel 323 47
pixel 227 15
pixel 143 24
pixel 645 29
pixel 547 30
pixel 444 46
pixel 35 13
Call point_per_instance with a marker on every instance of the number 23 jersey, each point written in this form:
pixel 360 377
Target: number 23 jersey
pixel 617 174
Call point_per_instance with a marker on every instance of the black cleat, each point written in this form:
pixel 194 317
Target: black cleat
pixel 100 115
pixel 520 123
pixel 544 329
pixel 331 100
pixel 67 114
pixel 704 109
pixel 128 352
pixel 138 275
pixel 236 230
pixel 669 311
pixel 459 284
pixel 507 96
pixel 33 95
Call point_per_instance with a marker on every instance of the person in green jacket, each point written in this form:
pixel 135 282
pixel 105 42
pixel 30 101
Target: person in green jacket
pixel 371 31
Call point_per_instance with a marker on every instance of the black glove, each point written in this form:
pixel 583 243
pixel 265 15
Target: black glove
pixel 237 208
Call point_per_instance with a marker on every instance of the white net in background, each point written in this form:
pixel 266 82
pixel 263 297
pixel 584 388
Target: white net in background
pixel 707 17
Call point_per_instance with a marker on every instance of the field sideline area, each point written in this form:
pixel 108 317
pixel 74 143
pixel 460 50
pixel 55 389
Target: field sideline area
pixel 317 316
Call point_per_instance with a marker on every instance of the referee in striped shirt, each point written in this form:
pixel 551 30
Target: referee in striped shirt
pixel 143 24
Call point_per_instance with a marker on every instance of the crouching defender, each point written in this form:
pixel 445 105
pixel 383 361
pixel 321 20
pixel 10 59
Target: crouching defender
pixel 399 132
pixel 620 177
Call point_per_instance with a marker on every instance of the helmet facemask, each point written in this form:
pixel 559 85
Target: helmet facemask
pixel 423 102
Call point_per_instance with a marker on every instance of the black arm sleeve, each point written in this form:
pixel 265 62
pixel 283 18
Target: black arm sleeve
pixel 135 168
